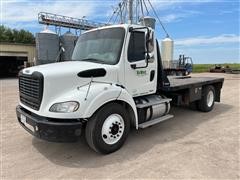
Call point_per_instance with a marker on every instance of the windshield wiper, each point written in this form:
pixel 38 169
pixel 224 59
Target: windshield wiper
pixel 93 60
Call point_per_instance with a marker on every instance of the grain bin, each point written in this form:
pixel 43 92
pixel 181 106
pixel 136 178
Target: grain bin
pixel 68 41
pixel 148 21
pixel 47 46
pixel 167 52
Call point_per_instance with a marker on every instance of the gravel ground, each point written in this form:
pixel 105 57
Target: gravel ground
pixel 191 145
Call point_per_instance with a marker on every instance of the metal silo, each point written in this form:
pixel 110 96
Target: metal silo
pixel 68 41
pixel 167 52
pixel 47 45
pixel 148 21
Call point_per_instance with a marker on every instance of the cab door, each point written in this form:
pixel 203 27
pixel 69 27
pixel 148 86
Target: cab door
pixel 140 74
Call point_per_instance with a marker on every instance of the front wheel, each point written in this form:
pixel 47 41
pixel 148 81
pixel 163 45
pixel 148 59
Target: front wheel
pixel 206 104
pixel 108 129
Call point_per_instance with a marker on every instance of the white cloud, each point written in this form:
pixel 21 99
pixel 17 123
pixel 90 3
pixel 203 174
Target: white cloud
pixel 178 16
pixel 170 18
pixel 224 38
pixel 25 25
pixel 173 10
pixel 25 11
pixel 166 4
pixel 206 55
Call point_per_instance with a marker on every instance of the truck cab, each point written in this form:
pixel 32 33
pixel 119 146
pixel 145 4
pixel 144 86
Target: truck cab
pixel 113 82
pixel 124 49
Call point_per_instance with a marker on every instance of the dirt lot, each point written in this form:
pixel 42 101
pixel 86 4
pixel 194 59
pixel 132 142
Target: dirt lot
pixel 191 145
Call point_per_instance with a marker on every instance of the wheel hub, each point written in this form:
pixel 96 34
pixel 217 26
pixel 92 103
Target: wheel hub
pixel 112 129
pixel 210 98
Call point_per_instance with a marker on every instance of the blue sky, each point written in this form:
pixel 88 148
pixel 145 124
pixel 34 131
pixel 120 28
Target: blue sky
pixel 207 30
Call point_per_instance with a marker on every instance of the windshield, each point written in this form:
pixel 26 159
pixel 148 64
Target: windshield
pixel 100 46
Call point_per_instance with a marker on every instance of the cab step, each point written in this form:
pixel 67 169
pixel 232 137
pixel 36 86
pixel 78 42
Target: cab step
pixel 166 100
pixel 155 121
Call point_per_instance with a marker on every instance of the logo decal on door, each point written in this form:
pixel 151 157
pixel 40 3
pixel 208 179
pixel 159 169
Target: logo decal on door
pixel 141 72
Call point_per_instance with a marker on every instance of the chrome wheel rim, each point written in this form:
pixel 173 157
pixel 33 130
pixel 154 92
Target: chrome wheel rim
pixel 210 98
pixel 112 129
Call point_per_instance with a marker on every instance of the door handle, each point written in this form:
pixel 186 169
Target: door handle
pixel 152 74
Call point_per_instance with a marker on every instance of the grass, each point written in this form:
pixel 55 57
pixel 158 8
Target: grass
pixel 198 68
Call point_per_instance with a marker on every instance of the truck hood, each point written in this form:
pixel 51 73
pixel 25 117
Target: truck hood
pixel 62 80
pixel 67 67
pixel 64 73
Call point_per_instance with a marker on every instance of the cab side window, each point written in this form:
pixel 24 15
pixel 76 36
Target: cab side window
pixel 136 48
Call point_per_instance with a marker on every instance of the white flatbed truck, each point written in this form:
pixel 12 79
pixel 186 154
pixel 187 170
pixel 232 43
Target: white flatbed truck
pixel 114 81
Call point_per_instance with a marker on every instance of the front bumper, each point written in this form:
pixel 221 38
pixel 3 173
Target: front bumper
pixel 56 130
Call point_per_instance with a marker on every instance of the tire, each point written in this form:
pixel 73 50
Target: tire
pixel 108 128
pixel 206 103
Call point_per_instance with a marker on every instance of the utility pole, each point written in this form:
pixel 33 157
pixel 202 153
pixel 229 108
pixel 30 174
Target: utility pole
pixel 121 12
pixel 130 11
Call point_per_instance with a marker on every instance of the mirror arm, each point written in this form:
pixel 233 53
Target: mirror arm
pixel 133 66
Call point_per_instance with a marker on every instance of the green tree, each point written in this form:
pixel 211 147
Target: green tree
pixel 16 36
pixel 2 29
pixel 8 35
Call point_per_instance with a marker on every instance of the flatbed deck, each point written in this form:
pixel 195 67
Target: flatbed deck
pixel 179 83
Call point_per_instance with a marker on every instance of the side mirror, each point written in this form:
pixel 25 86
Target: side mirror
pixel 62 49
pixel 150 46
pixel 146 50
pixel 149 57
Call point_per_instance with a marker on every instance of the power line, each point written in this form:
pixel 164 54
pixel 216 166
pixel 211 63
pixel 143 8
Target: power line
pixel 146 7
pixel 141 5
pixel 158 19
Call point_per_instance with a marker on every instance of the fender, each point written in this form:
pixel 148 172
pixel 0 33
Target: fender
pixel 98 97
pixel 126 97
pixel 99 94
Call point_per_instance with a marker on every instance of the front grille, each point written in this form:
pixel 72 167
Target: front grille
pixel 31 89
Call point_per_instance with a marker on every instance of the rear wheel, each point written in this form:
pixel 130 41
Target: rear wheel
pixel 108 129
pixel 206 104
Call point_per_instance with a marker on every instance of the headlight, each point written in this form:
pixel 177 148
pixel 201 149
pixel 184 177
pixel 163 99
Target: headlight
pixel 65 107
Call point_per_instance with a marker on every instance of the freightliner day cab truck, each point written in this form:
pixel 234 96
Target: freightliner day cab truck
pixel 114 82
